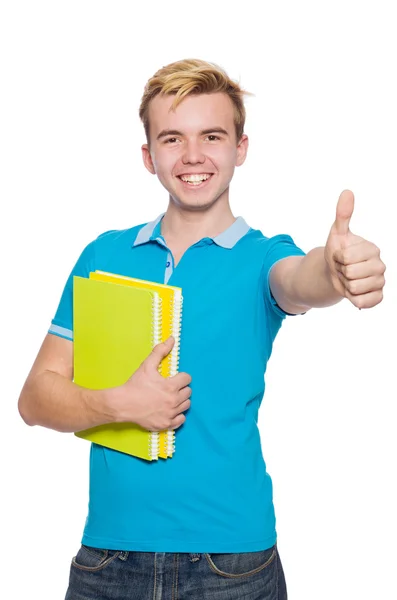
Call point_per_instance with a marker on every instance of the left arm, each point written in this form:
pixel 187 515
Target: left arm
pixel 346 267
pixel 299 283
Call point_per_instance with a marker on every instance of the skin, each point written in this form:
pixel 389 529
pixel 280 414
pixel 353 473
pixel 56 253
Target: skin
pixel 348 266
pixel 194 213
pixel 355 266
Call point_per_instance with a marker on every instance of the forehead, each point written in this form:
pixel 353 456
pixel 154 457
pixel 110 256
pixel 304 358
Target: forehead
pixel 195 112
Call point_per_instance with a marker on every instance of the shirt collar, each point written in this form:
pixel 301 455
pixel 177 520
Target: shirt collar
pixel 226 239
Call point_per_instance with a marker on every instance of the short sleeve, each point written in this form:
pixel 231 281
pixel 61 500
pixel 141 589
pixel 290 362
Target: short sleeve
pixel 62 323
pixel 278 247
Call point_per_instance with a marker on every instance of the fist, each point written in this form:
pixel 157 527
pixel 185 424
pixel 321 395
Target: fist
pixel 355 266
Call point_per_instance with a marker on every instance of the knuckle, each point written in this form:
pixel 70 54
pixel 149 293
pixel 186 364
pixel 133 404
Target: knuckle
pixel 352 286
pixel 170 384
pixel 359 302
pixel 165 422
pixel 172 401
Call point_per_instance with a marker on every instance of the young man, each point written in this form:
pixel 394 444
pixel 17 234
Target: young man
pixel 201 525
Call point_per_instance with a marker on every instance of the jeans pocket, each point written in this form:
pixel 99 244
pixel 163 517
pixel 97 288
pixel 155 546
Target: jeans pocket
pixel 94 559
pixel 241 564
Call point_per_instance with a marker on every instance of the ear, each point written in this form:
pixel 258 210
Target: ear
pixel 242 149
pixel 147 159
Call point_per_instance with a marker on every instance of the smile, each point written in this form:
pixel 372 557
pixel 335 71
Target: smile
pixel 195 180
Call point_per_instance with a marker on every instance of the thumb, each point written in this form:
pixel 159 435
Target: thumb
pixel 344 211
pixel 159 352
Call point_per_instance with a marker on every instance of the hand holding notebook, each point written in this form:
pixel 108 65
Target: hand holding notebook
pixel 150 400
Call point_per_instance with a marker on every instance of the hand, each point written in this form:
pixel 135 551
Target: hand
pixel 152 401
pixel 356 270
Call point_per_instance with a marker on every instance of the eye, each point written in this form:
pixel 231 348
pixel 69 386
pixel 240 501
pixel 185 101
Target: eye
pixel 215 137
pixel 170 140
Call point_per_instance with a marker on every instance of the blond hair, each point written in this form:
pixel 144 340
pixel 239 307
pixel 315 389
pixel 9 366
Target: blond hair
pixel 193 76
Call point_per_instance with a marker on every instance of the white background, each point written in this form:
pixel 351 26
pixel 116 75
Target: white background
pixel 323 119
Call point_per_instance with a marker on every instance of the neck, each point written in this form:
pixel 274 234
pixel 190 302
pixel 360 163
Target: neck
pixel 187 227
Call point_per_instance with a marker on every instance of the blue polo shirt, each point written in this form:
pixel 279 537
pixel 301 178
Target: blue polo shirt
pixel 214 494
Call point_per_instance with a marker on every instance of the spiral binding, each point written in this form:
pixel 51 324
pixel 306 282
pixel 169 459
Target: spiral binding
pixel 154 445
pixel 154 438
pixel 170 442
pixel 173 357
pixel 176 315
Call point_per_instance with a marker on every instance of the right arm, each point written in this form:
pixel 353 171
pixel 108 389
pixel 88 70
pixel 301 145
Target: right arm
pixel 50 398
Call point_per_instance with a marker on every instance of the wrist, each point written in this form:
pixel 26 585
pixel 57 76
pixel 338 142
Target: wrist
pixel 327 270
pixel 118 402
pixel 333 281
pixel 103 406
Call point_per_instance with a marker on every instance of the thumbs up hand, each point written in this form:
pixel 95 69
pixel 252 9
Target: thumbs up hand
pixel 356 270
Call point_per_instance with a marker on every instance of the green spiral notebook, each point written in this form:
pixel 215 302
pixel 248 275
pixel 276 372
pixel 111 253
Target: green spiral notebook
pixel 115 327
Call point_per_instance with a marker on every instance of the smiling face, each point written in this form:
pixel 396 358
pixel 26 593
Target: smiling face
pixel 193 150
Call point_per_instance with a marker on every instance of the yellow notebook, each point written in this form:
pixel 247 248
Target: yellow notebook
pixel 115 327
pixel 172 303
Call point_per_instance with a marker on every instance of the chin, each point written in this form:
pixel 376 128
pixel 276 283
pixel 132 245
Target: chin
pixel 200 202
pixel 193 204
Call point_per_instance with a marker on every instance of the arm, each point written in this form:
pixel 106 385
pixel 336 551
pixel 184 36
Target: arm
pixel 299 283
pixel 49 396
pixel 51 399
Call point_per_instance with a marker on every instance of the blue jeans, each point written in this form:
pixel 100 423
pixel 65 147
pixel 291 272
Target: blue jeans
pixel 97 574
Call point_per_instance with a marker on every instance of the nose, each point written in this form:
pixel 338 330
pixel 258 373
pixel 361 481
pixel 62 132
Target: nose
pixel 192 153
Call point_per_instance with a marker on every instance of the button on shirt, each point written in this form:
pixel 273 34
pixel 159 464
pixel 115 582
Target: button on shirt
pixel 214 494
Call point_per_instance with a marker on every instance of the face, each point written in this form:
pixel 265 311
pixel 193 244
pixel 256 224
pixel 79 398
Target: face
pixel 194 150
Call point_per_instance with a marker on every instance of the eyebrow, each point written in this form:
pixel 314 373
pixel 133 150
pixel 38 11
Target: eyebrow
pixel 166 132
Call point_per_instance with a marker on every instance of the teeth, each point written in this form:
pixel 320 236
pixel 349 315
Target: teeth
pixel 195 178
